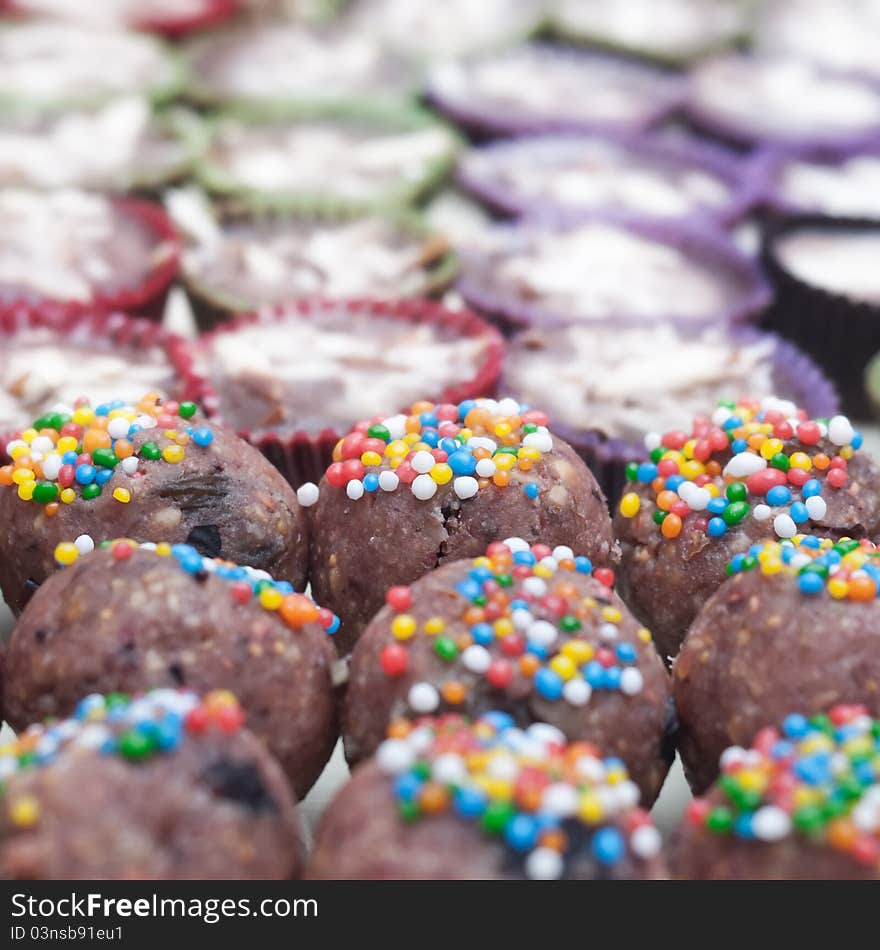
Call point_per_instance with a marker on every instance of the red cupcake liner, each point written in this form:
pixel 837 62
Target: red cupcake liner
pixel 121 329
pixel 303 456
pixel 148 299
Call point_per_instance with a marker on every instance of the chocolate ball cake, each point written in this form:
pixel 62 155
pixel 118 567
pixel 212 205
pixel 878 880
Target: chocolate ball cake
pixel 753 470
pixel 128 618
pixel 410 492
pixel 163 787
pixel 794 627
pixel 803 802
pixel 152 471
pixel 449 798
pixel 531 631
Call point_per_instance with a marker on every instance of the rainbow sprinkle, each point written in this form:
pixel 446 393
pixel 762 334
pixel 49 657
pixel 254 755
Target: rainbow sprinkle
pixel 847 569
pixel 72 453
pixel 479 442
pixel 752 459
pixel 817 777
pixel 521 603
pixel 134 729
pixel 551 803
pixel 245 583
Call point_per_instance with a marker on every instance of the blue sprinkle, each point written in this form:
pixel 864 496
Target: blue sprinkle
pixel 795 726
pixel 500 721
pixel 594 674
pixel 647 472
pixel 69 458
pixel 429 420
pixel 203 437
pixel 778 495
pixel 674 482
pixel 461 461
pixel 85 474
pixel 406 786
pixel 532 489
pixel 430 437
pixel 371 481
pixel 524 557
pixel 333 626
pixel 865 773
pixel 284 587
pixel 521 832
pixel 548 683
pixel 468 588
pixel 717 505
pixel 743 825
pixel 811 487
pixel 104 475
pixel 738 445
pixel 814 769
pixel 519 605
pixel 736 563
pixel 481 574
pixel 813 542
pixel 717 527
pixel 856 440
pixel 465 407
pixel 626 652
pixel 799 513
pixel 608 846
pixel 584 565
pixel 482 634
pixel 469 802
pixel 611 677
pixel 102 410
pixel 781 749
pixel 536 649
pixel 134 429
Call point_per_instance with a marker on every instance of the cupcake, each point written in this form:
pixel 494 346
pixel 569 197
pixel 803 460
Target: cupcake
pixel 529 630
pixel 363 357
pixel 447 798
pixel 55 66
pixel 752 471
pixel 44 362
pixel 796 624
pixel 408 493
pixel 542 88
pixel 358 160
pixel 872 383
pixel 152 471
pixel 129 618
pixel 631 272
pixel 68 250
pixel 841 36
pixel 116 146
pixel 607 386
pixel 756 99
pixel 674 32
pixel 827 294
pixel 430 32
pixel 171 17
pixel 299 66
pixel 165 786
pixel 801 801
pixel 236 263
pixel 648 177
pixel 835 184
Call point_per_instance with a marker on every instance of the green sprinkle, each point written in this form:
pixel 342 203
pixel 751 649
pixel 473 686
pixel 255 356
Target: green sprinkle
pixel 719 820
pixel 45 492
pixel 151 451
pixel 780 461
pixel 106 458
pixel 496 816
pixel 445 648
pixel 91 491
pixel 736 491
pixel 378 431
pixel 735 512
pixel 570 623
pixel 187 410
pixel 135 745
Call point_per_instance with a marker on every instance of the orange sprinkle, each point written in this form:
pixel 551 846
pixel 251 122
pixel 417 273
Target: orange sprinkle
pixel 453 692
pixel 52 509
pixel 524 465
pixel 528 664
pixel 96 439
pixel 842 834
pixel 671 527
pixel 298 610
pixel 123 449
pixel 666 499
pixel 821 461
pixel 433 798
pixel 398 729
pixel 862 588
pixel 501 479
pixel 473 615
pixel 6 474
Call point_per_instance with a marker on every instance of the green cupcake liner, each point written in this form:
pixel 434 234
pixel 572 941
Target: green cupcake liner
pixel 739 37
pixel 210 307
pixel 221 184
pixel 188 129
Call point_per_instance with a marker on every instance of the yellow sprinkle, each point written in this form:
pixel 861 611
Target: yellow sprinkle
pixel 498 788
pixel 612 614
pixel 83 416
pixel 122 494
pixel 441 473
pixel 163 548
pixel 29 435
pixel 692 469
pixel 26 491
pixel 578 651
pixel 25 811
pixel 846 452
pixel 769 448
pixel 771 565
pixel 371 458
pixel 529 452
pixel 630 504
pixel 503 627
pixel 800 460
pixel 615 776
pixel 173 453
pixel 589 603
pixel 563 666
pixel 19 451
pixel 22 475
pixel 403 626
pixel 67 443
pixel 66 553
pixel 644 634
pixel 688 448
pixel 397 447
pixel 270 598
pixel 67 495
pixel 411 438
pixel 465 434
pixel 590 809
pixel 482 561
pixel 542 570
pixel 502 429
pixel 504 462
pixel 434 625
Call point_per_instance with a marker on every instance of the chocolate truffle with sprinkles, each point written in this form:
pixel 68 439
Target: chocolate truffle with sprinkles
pixel 410 492
pixel 802 801
pixel 452 798
pixel 152 471
pixel 533 631
pixel 129 617
pixel 795 626
pixel 164 786
pixel 753 470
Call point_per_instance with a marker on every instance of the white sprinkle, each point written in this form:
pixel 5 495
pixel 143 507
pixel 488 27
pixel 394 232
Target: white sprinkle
pixel 770 823
pixel 423 462
pixel 652 441
pixel 43 444
pixel 117 428
pixel 521 618
pixel 559 799
pixel 535 585
pixel 697 498
pixel 424 487
pixel 546 734
pixel 784 526
pixel 542 441
pixel 14 444
pixel 542 632
pixel 51 466
pixel 631 681
pixel 608 631
pixel 388 480
pixel 816 507
pixel 423 698
pixel 508 407
pixel 396 426
pixel 481 442
pixel 84 544
pixel 465 486
pixel 626 795
pixel 355 489
pixel 799 561
pixel 130 465
pixel 840 431
pixel 448 769
pixel 544 864
pixel 145 422
pixel 307 494
pixel 485 468
pixel 761 512
pixel 563 553
pixel 721 415
pixel 476 658
pixel 515 545
pixel 732 755
pixel 503 766
pixel 744 464
pixel 394 756
pixel 577 692
pixel 645 841
pixel 590 768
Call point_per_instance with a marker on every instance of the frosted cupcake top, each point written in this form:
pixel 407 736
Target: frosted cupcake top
pixel 843 262
pixel 847 187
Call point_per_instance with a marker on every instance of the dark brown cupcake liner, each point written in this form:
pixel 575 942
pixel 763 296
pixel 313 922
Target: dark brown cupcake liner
pixel 121 329
pixel 839 332
pixel 796 377
pixel 303 456
pixel 147 299
pixel 703 243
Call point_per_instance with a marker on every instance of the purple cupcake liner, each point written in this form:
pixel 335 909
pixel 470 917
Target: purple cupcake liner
pixel 705 244
pixel 796 377
pixel 737 174
pixel 840 333
pixel 770 161
pixel 704 119
pixel 483 120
